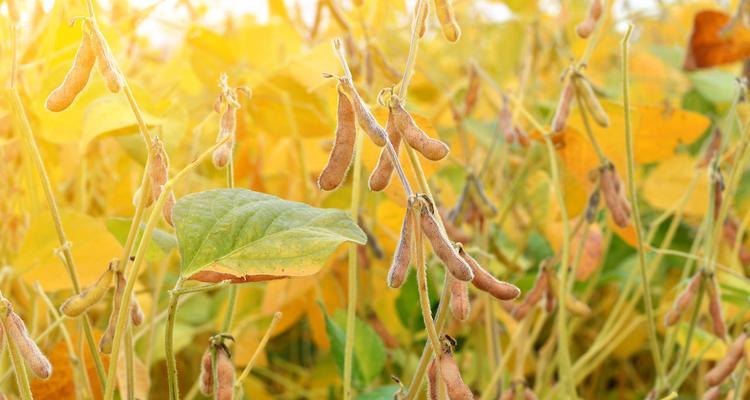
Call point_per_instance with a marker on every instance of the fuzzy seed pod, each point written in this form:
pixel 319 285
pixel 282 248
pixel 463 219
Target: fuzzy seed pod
pixel 433 391
pixel 614 198
pixel 381 175
pixel 449 372
pixel 158 168
pixel 459 302
pixel 81 302
pixel 447 18
pixel 423 12
pixel 590 101
pixel 401 258
pixel 220 156
pixel 225 370
pixel 549 294
pixel 714 309
pixel 105 61
pixel 227 128
pixel 484 281
pixel 534 296
pixel 592 207
pixel 76 78
pixel 432 149
pixel 577 307
pixel 365 119
pixel 343 148
pixel 713 393
pixel 206 382
pixel 684 299
pixel 443 248
pixel 563 107
pixel 136 312
pixel 105 343
pixel 19 335
pixel 454 232
pixel 168 210
pixel 726 365
pixel 586 27
pixel 472 91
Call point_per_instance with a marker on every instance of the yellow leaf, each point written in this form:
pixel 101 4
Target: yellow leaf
pixel 92 245
pixel 668 182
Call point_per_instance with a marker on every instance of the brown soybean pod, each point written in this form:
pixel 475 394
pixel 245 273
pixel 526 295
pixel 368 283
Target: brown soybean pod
pixel 76 78
pixel 104 59
pixel 713 393
pixel 422 12
pixel 459 301
pixel 443 248
pixel 136 312
pixel 401 258
pixel 683 300
pixel 365 119
pixel 225 370
pixel 726 365
pixel 343 148
pixel 167 210
pixel 609 184
pixel 457 389
pixel 36 360
pixel 472 92
pixel 158 169
pixel 432 382
pixel 591 102
pixel 206 383
pixel 227 128
pixel 447 18
pixel 563 107
pixel 432 149
pixel 105 343
pixel 714 309
pixel 484 281
pixel 381 175
pixel 535 294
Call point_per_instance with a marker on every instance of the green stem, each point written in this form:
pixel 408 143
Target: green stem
pixel 256 354
pixel 122 317
pixel 129 364
pixel 649 304
pixel 174 295
pixel 232 301
pixel 351 307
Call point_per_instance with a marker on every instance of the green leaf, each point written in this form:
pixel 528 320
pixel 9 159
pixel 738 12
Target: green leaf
pixel 247 234
pixel 369 350
pixel 161 242
pixel 714 85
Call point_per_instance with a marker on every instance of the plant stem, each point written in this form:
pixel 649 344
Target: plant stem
pixel 122 317
pixel 351 306
pixel 412 57
pixel 653 341
pixel 258 351
pixel 129 365
pixel 28 135
pixel 232 301
pixel 174 295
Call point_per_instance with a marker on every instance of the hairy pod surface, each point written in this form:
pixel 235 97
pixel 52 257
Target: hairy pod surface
pixel 432 149
pixel 206 379
pixel 105 61
pixel 19 335
pixel 443 248
pixel 343 148
pixel 225 369
pixel 459 302
pixel 456 388
pixel 564 106
pixel 447 18
pixel 714 309
pixel 422 12
pixel 158 169
pixel 76 78
pixel 105 343
pixel 78 304
pixel 591 102
pixel 614 198
pixel 402 256
pixel 484 281
pixel 365 119
pixel 433 391
pixel 682 301
pixel 586 27
pixel 381 175
pixel 726 365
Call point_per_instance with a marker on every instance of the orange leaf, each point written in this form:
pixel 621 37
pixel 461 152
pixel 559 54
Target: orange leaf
pixel 711 44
